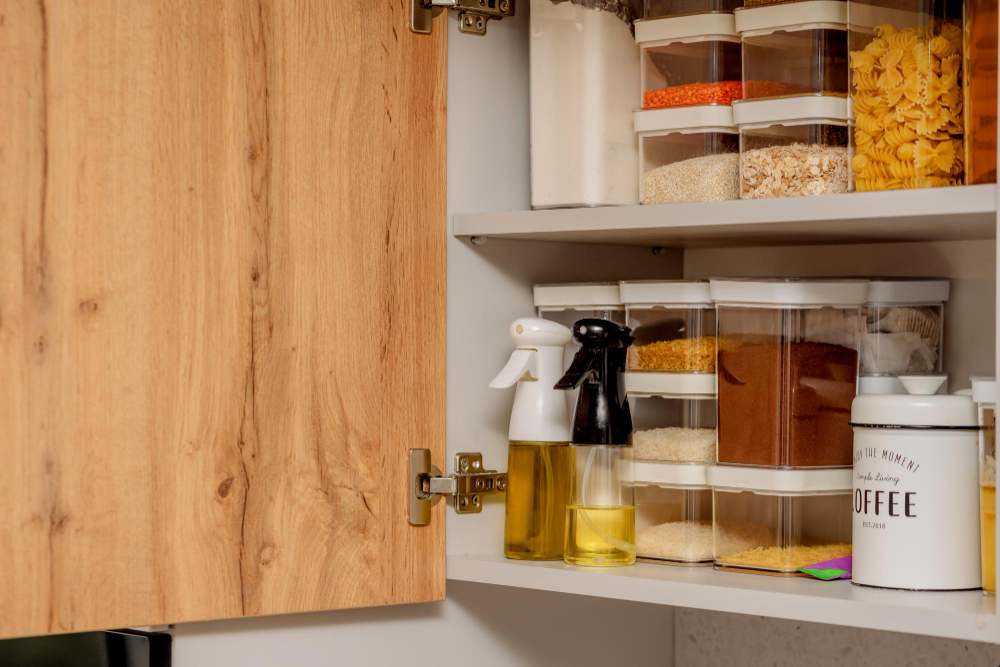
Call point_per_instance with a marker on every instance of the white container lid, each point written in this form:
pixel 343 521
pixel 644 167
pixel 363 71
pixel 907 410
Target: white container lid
pixel 790 292
pixel 984 390
pixel 776 480
pixel 668 473
pixel 585 296
pixel 921 408
pixel 703 25
pixel 792 15
pixel 887 384
pixel 791 110
pixel 908 290
pixel 657 292
pixel 675 385
pixel 686 120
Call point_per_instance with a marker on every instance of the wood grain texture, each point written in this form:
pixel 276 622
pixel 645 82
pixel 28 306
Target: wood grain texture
pixel 222 303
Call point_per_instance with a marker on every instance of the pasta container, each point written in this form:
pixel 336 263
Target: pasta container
pixel 689 60
pixel 687 155
pixel 902 333
pixel 984 393
pixel 584 78
pixel 787 369
pixel 794 48
pixel 673 326
pixel 980 83
pixel 677 430
pixel 906 94
pixel 653 9
pixel 793 146
pixel 777 521
pixel 673 514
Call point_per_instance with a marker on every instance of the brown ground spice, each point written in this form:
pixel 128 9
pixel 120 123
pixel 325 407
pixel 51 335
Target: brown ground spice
pixel 786 405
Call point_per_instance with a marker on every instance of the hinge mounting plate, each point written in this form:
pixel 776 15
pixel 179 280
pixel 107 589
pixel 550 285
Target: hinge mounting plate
pixel 466 486
pixel 473 15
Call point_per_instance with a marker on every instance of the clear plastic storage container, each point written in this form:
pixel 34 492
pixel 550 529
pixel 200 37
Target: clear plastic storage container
pixel 793 147
pixel 687 155
pixel 678 430
pixel 673 519
pixel 787 370
pixel 906 93
pixel 902 332
pixel 584 80
pixel 653 9
pixel 690 61
pixel 980 82
pixel 794 48
pixel 777 521
pixel 984 393
pixel 567 303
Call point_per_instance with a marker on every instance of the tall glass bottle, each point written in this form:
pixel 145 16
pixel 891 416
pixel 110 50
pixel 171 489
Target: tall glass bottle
pixel 600 519
pixel 540 460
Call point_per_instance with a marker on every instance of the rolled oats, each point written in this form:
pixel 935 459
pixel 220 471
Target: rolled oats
pixel 796 170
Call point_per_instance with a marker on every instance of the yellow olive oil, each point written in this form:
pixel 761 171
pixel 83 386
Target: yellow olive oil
pixel 600 535
pixel 539 479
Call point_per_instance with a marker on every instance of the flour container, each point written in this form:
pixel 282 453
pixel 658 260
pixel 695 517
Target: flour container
pixel 673 505
pixel 916 497
pixel 984 394
pixel 787 370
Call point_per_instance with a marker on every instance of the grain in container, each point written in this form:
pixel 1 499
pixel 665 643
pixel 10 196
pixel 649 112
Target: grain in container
pixel 980 84
pixel 787 370
pixel 777 521
pixel 678 429
pixel 902 332
pixel 793 146
pixel 794 48
pixel 673 520
pixel 916 501
pixel 906 94
pixel 689 60
pixel 653 9
pixel 984 394
pixel 584 80
pixel 687 155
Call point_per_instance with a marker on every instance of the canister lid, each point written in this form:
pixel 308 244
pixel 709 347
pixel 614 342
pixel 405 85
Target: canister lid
pixel 686 120
pixel 669 384
pixel 777 480
pixel 791 292
pixel 669 474
pixel 792 16
pixel 578 295
pixel 689 27
pixel 653 292
pixel 921 408
pixel 908 290
pixel 815 108
pixel 984 389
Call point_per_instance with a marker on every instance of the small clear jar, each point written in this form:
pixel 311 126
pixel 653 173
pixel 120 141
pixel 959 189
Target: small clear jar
pixel 902 333
pixel 906 92
pixel 653 9
pixel 672 429
pixel 689 60
pixel 674 523
pixel 793 147
pixel 787 370
pixel 775 522
pixel 984 393
pixel 794 48
pixel 600 519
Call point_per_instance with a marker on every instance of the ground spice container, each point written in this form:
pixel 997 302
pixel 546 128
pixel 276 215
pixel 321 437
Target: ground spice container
pixel 793 146
pixel 687 155
pixel 777 521
pixel 674 429
pixel 906 94
pixel 787 370
pixel 794 48
pixel 689 60
pixel 984 394
pixel 902 332
pixel 673 505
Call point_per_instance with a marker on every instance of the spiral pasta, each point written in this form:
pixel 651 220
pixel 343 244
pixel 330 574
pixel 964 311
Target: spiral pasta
pixel 900 134
pixel 941 47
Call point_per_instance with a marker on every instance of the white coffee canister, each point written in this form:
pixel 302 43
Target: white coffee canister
pixel 916 494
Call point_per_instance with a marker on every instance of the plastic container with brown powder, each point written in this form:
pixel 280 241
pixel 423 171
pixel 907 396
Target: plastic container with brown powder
pixel 787 370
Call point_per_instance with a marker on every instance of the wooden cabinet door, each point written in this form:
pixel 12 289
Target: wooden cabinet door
pixel 222 308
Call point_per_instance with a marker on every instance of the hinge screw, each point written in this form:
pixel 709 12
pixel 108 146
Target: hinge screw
pixel 464 464
pixel 475 500
pixel 479 26
pixel 478 240
pixel 468 21
pixel 504 5
pixel 501 484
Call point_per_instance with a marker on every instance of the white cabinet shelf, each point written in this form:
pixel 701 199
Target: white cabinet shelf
pixel 938 214
pixel 965 615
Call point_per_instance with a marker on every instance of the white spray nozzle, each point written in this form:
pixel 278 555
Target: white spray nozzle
pixel 533 332
pixel 523 364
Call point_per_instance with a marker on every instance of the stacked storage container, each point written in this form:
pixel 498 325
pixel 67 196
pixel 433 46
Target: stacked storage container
pixel 691 72
pixel 671 383
pixel 793 118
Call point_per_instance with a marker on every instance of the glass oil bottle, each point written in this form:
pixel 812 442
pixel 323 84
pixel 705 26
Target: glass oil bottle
pixel 540 459
pixel 600 518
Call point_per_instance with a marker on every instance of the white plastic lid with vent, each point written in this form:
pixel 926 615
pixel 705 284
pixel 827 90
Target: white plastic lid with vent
pixel 690 27
pixel 984 390
pixel 687 120
pixel 813 481
pixel 671 384
pixel 665 292
pixel 789 292
pixel 908 291
pixel 809 15
pixel 792 110
pixel 583 296
pixel 668 474
pixel 920 408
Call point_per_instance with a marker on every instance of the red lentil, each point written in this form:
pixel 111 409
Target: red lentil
pixel 692 94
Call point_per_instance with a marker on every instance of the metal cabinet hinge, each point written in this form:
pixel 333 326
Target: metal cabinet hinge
pixel 466 486
pixel 472 14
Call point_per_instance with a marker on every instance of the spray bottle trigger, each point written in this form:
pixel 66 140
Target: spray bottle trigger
pixel 523 365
